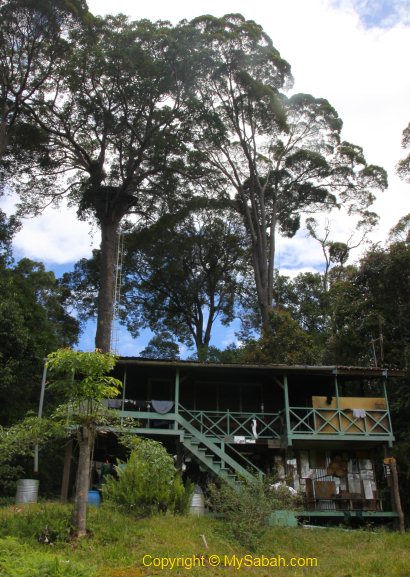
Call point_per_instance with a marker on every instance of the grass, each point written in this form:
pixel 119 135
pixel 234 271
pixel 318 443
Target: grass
pixel 118 543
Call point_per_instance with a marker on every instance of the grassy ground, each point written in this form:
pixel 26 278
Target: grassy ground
pixel 117 545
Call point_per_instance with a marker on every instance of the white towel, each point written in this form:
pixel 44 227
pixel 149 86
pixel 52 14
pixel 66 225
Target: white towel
pixel 254 433
pixel 359 413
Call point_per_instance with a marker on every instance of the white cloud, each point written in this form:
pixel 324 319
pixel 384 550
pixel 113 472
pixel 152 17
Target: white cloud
pixel 56 236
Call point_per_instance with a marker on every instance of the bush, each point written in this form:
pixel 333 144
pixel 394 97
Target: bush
pixel 246 508
pixel 148 482
pixel 9 474
pixel 29 522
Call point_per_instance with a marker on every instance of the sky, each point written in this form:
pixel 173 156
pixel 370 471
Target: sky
pixel 354 53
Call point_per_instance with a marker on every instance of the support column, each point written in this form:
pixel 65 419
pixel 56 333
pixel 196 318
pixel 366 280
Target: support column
pixel 176 398
pixel 40 411
pixel 339 418
pixel 387 407
pixel 287 415
pixel 124 385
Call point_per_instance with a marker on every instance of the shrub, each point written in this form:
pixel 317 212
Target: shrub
pixel 9 474
pixel 148 482
pixel 246 508
pixel 29 522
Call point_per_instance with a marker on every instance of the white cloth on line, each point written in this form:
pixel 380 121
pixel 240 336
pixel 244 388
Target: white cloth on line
pixel 359 413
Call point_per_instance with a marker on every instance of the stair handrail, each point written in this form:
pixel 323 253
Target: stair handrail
pixel 237 467
pixel 256 469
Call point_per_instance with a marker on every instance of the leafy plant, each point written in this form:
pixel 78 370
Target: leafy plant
pixel 147 482
pixel 31 522
pixel 246 508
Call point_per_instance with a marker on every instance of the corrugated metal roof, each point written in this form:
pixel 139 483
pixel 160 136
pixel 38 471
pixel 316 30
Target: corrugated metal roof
pixel 275 368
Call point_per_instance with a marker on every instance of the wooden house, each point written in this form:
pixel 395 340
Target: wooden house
pixel 325 431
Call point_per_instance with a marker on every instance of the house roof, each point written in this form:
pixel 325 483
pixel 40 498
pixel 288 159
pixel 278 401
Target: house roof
pixel 271 368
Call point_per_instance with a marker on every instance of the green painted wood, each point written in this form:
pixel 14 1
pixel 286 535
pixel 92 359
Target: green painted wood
pixel 227 424
pixel 190 441
pixel 355 513
pixel 304 424
pixel 287 416
pixel 176 400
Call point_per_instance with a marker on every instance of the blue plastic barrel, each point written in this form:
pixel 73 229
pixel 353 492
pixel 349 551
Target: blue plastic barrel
pixel 94 498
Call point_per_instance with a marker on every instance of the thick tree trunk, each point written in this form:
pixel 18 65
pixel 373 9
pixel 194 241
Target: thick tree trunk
pixel 263 285
pixel 3 138
pixel 85 443
pixel 263 227
pixel 106 290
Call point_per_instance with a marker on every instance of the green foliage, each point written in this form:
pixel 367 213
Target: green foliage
pixel 17 560
pixel 9 474
pixel 33 322
pixel 19 439
pixel 283 341
pixel 282 156
pixel 147 482
pixel 184 273
pixel 246 509
pixel 117 546
pixel 369 309
pixel 161 346
pixel 403 168
pixel 29 522
pixel 81 378
pixel 33 41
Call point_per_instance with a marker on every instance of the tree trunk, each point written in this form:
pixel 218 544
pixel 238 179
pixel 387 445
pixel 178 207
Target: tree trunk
pixel 3 138
pixel 85 442
pixel 106 290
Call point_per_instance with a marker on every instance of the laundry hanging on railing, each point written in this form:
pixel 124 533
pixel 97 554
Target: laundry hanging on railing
pixel 254 431
pixel 162 407
pixel 359 413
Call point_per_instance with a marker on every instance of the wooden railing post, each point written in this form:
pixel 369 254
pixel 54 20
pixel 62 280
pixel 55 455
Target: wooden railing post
pixel 176 398
pixel 287 413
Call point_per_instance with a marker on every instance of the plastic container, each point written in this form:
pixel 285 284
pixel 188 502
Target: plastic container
pixel 94 498
pixel 197 506
pixel 27 491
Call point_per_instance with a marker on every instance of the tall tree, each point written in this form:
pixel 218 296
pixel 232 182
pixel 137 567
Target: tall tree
pixel 281 156
pixel 370 307
pixel 183 274
pixel 115 126
pixel 178 276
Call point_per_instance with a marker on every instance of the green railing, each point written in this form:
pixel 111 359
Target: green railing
pixel 235 424
pixel 308 421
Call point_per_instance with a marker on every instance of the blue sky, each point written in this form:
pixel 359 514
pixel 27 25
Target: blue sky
pixel 348 51
pixel 378 13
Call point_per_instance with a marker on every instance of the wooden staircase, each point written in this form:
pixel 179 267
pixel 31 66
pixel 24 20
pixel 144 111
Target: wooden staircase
pixel 214 457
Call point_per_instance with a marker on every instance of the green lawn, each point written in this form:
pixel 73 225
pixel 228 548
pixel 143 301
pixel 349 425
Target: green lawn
pixel 118 543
